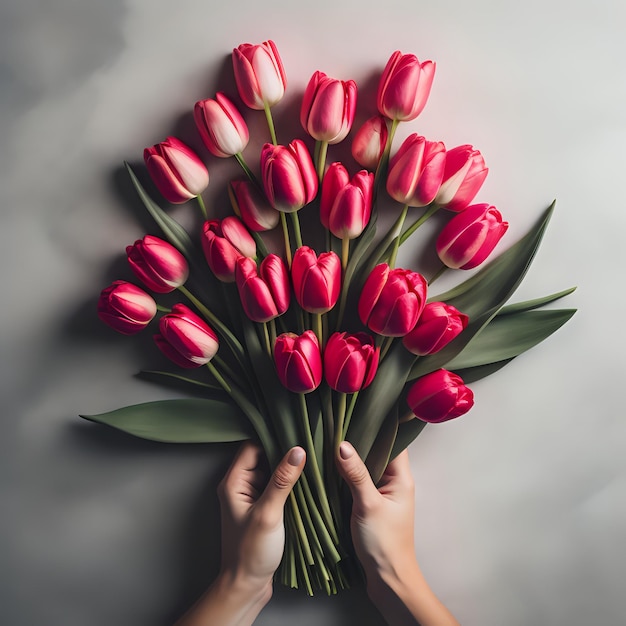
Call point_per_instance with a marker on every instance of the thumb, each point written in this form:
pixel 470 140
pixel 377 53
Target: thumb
pixel 283 479
pixel 354 472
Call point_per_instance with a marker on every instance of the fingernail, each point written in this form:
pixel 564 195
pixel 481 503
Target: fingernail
pixel 296 456
pixel 345 450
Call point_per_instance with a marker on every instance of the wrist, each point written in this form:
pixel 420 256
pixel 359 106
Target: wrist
pixel 249 590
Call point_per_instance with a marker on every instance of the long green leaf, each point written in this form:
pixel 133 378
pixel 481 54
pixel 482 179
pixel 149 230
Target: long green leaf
pixel 378 457
pixel 180 421
pixel 407 433
pixel 472 374
pixel 529 305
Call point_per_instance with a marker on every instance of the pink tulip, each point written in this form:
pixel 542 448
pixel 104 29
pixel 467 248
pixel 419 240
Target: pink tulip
pixel 250 203
pixel 328 108
pixel 221 126
pixel 416 171
pixel 185 338
pixel 316 280
pixel 369 142
pixel 298 361
pixel 259 74
pixel 404 86
pixel 176 170
pixel 158 264
pixel 470 236
pixel 263 296
pixel 436 327
pixel 289 176
pixel 391 300
pixel 223 243
pixel 350 361
pixel 463 176
pixel 126 308
pixel 439 396
pixel 346 205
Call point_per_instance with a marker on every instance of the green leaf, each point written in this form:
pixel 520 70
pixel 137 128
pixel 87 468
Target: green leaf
pixel 178 378
pixel 407 433
pixel 528 305
pixel 472 374
pixel 180 421
pixel 379 455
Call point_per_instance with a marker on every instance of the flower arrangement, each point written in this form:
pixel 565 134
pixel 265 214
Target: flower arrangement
pixel 312 340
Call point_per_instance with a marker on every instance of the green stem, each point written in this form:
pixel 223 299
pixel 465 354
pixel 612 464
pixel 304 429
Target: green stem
pixel 283 223
pixel 385 347
pixel 341 416
pixel 268 345
pixel 270 122
pixel 219 378
pixel 437 274
pixel 272 324
pixel 260 244
pixel 245 168
pixel 345 253
pixel 295 220
pixel 349 413
pixel 384 159
pixel 396 243
pixel 317 317
pixel 297 520
pixel 202 206
pixel 321 159
pixel 163 309
pixel 409 231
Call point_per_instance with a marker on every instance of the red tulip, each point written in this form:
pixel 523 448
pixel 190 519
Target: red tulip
pixel 158 264
pixel 392 300
pixel 298 361
pixel 436 327
pixel 251 205
pixel 470 236
pixel 439 396
pixel 176 170
pixel 369 142
pixel 350 361
pixel 316 280
pixel 126 308
pixel 221 126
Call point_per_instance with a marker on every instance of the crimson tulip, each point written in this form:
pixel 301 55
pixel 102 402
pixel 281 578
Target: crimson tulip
pixel 298 361
pixel 436 327
pixel 289 176
pixel 316 280
pixel 350 361
pixel 391 300
pixel 369 142
pixel 463 176
pixel 176 170
pixel 223 242
pixel 439 396
pixel 221 126
pixel 185 338
pixel 125 307
pixel 346 205
pixel 265 293
pixel 160 266
pixel 470 236
pixel 404 87
pixel 249 202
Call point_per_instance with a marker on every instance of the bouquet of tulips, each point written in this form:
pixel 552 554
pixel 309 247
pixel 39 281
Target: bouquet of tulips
pixel 312 340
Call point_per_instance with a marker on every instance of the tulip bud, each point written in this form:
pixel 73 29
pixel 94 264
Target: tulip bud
pixel 369 142
pixel 346 205
pixel 289 176
pixel 126 308
pixel 470 236
pixel 298 361
pixel 416 171
pixel 439 396
pixel 328 108
pixel 316 280
pixel 266 296
pixel 404 86
pixel 223 243
pixel 251 205
pixel 259 74
pixel 176 170
pixel 350 361
pixel 221 126
pixel 392 300
pixel 436 327
pixel 463 176
pixel 158 264
pixel 185 338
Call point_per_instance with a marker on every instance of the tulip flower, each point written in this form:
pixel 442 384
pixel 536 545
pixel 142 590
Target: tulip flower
pixel 223 243
pixel 463 176
pixel 404 87
pixel 470 236
pixel 251 205
pixel 259 74
pixel 369 142
pixel 439 396
pixel 298 361
pixel 176 170
pixel 436 327
pixel 391 300
pixel 221 126
pixel 265 293
pixel 416 171
pixel 125 307
pixel 160 266
pixel 316 280
pixel 328 108
pixel 350 361
pixel 288 175
pixel 185 338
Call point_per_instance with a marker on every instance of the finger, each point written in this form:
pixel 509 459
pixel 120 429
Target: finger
pixel 241 473
pixel 354 472
pixel 283 479
pixel 397 473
